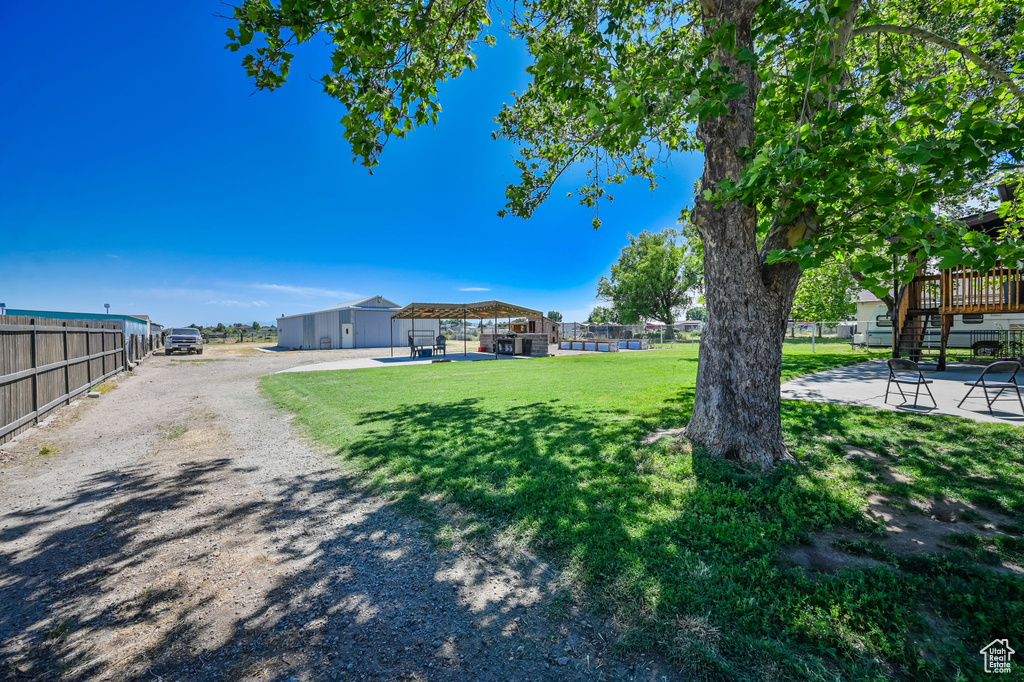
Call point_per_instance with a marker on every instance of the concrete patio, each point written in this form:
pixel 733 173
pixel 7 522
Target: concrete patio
pixel 863 384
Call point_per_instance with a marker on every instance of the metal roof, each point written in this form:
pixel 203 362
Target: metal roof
pixel 480 310
pixel 368 303
pixel 147 319
pixel 61 315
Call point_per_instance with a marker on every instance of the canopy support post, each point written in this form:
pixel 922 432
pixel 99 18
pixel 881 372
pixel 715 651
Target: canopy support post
pixel 392 336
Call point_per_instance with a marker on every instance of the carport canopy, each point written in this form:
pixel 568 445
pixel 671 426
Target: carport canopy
pixel 481 310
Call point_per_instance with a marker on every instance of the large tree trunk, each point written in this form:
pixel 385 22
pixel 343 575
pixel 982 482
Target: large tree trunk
pixel 737 409
pixel 736 412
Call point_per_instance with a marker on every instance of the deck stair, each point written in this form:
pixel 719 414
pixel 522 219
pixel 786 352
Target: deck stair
pixel 920 337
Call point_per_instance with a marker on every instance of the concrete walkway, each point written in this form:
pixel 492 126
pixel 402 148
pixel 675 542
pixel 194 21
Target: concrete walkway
pixel 863 384
pixel 397 361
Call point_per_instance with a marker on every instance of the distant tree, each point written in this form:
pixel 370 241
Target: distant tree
pixel 221 328
pixel 699 314
pixel 825 294
pixel 195 326
pixel 602 315
pixel 256 326
pixel 655 277
pixel 554 316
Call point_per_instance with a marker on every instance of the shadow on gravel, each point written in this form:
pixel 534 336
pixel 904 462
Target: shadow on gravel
pixel 332 585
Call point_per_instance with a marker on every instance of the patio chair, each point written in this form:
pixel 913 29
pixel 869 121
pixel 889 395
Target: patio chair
pixel 440 345
pixel 412 347
pixel 1009 367
pixel 903 372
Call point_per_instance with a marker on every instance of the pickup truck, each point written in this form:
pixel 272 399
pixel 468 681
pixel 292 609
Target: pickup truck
pixel 187 340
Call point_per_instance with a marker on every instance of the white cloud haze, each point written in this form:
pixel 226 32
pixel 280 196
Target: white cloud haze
pixel 306 291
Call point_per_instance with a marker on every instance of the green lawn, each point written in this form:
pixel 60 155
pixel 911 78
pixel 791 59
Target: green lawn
pixel 683 549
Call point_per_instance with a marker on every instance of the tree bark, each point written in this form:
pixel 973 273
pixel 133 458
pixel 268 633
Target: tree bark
pixel 737 407
pixel 736 411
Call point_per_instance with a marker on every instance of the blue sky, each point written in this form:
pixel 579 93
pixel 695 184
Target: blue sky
pixel 137 168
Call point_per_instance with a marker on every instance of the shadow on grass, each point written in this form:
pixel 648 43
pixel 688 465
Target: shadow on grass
pixel 547 469
pixel 681 547
pixel 944 457
pixel 674 545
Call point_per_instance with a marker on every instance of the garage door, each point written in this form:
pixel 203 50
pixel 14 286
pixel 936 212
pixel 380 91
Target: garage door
pixel 372 328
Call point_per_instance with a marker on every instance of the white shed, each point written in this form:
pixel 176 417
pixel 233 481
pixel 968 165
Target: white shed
pixel 363 323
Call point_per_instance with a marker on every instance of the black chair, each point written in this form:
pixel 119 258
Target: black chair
pixel 440 345
pixel 903 372
pixel 412 347
pixel 1009 367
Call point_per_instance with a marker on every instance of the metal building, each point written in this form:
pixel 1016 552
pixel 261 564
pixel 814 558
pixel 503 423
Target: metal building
pixel 363 323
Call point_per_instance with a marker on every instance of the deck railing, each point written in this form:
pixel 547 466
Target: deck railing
pixel 968 291
pixel 924 292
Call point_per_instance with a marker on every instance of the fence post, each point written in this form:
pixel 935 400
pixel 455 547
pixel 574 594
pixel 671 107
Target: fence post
pixel 88 355
pixel 814 337
pixel 67 365
pixel 35 375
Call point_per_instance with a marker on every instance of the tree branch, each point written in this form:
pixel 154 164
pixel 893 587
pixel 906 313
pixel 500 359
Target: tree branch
pixel 975 58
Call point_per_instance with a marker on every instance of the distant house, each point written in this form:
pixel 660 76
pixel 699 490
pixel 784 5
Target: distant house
pixel 362 323
pixel 866 303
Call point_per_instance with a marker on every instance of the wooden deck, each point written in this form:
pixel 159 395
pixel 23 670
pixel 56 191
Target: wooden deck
pixel 954 291
pixel 968 291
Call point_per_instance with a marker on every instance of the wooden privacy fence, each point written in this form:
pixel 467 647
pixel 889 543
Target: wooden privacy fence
pixel 45 363
pixel 140 346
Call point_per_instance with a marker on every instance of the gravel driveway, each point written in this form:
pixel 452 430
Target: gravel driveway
pixel 177 528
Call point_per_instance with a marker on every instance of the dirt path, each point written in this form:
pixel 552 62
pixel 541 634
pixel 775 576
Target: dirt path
pixel 177 528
